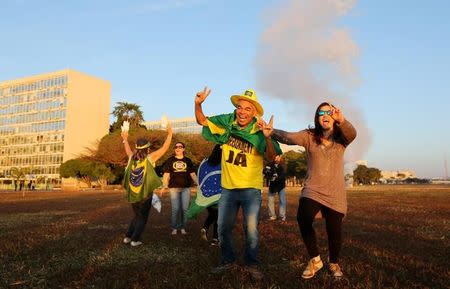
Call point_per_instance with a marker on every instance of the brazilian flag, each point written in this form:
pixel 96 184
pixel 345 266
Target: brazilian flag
pixel 140 180
pixel 209 188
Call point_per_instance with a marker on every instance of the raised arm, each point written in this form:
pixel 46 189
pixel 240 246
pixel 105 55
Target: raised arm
pixel 156 155
pixel 199 99
pixel 347 129
pixel 126 145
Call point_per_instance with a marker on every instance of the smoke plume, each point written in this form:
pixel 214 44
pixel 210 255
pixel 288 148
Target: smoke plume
pixel 304 58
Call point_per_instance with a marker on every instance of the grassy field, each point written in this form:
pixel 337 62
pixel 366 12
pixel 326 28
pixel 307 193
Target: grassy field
pixel 394 237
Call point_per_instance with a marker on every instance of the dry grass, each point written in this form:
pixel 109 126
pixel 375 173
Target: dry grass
pixel 395 237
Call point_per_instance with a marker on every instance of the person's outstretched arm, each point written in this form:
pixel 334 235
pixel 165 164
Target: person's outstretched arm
pixel 199 99
pixel 126 145
pixel 156 155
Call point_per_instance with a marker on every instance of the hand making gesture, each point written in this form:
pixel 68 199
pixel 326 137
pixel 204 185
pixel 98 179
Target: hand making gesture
pixel 337 114
pixel 202 95
pixel 267 129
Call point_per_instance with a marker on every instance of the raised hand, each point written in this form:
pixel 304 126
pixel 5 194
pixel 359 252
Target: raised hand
pixel 337 114
pixel 267 128
pixel 202 95
pixel 169 127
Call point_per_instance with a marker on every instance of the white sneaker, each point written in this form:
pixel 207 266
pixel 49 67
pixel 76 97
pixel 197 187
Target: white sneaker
pixel 314 265
pixel 174 232
pixel 126 240
pixel 183 232
pixel 273 218
pixel 137 243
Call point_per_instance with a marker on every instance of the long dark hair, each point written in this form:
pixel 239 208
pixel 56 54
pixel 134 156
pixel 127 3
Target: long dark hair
pixel 317 130
pixel 141 154
pixel 216 156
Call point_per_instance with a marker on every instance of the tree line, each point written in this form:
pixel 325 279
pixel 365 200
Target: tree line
pixel 106 163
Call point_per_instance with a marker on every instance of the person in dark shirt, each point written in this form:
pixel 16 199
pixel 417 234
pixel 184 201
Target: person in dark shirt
pixel 179 175
pixel 277 183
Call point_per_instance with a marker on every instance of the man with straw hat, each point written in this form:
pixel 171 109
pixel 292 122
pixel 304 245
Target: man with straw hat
pixel 244 146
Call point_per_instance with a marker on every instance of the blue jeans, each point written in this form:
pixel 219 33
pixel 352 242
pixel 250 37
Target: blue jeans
pixel 271 203
pixel 179 199
pixel 229 203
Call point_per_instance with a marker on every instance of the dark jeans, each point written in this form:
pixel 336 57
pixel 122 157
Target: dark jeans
pixel 213 213
pixel 141 210
pixel 307 210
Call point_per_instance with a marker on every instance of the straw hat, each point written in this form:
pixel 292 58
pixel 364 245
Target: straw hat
pixel 250 96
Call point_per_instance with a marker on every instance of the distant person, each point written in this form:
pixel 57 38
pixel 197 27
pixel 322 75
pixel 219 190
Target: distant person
pixel 29 185
pixel 324 186
pixel 244 146
pixel 277 183
pixel 139 182
pixel 15 185
pixel 21 185
pixel 179 176
pixel 209 173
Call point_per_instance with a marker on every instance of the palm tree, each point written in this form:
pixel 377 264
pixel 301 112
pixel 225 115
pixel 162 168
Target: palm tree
pixel 18 173
pixel 127 111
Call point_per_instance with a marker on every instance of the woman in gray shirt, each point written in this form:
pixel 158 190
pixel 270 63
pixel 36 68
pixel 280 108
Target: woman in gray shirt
pixel 324 186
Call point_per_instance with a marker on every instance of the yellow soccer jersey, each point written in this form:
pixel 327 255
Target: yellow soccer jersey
pixel 242 164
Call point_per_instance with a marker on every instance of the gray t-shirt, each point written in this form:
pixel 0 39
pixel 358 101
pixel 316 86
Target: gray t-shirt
pixel 324 182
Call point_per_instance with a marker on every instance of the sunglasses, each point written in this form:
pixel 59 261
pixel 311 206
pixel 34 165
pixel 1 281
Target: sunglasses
pixel 323 112
pixel 179 147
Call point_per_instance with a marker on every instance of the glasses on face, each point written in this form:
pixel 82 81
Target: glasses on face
pixel 179 147
pixel 323 112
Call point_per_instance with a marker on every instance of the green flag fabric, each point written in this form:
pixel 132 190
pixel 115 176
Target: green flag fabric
pixel 140 180
pixel 250 133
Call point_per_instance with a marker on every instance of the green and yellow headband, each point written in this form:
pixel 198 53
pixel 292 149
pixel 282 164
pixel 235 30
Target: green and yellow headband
pixel 147 145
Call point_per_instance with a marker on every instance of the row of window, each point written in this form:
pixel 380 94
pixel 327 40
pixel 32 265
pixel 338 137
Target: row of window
pixel 36 106
pixel 31 139
pixel 53 170
pixel 35 96
pixel 33 128
pixel 31 149
pixel 33 117
pixel 34 85
pixel 53 159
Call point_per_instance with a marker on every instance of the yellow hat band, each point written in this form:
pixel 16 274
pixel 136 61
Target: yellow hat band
pixel 147 145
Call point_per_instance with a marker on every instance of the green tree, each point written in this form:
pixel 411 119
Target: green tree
pixel 296 165
pixel 364 175
pixel 19 173
pixel 126 111
pixel 86 171
pixel 110 149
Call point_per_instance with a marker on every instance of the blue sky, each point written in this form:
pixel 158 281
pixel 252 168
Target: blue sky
pixel 159 53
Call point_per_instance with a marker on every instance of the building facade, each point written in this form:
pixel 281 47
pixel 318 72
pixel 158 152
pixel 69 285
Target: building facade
pixel 48 119
pixel 186 125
